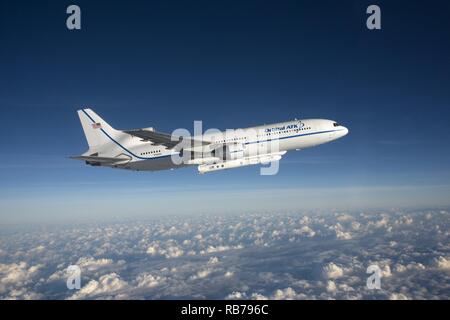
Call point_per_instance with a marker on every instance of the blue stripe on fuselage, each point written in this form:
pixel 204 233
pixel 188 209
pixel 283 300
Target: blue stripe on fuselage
pixel 295 136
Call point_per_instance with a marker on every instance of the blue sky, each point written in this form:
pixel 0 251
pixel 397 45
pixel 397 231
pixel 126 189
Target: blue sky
pixel 166 64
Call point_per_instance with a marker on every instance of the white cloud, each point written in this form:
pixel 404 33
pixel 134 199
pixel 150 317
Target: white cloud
pixel 173 252
pixel 147 280
pixel 213 260
pixel 356 225
pixel 386 271
pixel 258 296
pixel 108 286
pixel 305 220
pixel 305 230
pixel 17 274
pixel 344 217
pixel 168 250
pixel 37 249
pixel 198 237
pixel 92 264
pixel 410 266
pixel 398 296
pixel 236 295
pixel 152 250
pixel 331 286
pixel 443 263
pixel 202 274
pixel 219 248
pixel 285 294
pixel 229 274
pixel 382 223
pixel 332 271
pixel 343 235
pixel 23 294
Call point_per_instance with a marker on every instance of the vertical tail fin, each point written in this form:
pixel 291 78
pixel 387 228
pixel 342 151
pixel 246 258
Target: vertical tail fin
pixel 96 129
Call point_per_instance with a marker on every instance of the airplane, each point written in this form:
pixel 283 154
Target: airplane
pixel 146 149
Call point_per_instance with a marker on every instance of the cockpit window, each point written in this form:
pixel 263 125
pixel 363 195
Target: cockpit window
pixel 336 124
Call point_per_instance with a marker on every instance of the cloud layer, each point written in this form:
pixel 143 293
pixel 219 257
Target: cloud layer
pixel 308 255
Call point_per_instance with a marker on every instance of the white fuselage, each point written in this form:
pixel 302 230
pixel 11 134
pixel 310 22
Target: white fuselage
pixel 250 142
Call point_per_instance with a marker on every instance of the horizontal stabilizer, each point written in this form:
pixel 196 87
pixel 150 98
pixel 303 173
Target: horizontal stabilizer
pixel 101 159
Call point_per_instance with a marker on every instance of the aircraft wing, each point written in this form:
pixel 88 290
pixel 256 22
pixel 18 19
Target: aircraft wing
pixel 160 138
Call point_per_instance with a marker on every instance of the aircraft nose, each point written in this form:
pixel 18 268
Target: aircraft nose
pixel 345 131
